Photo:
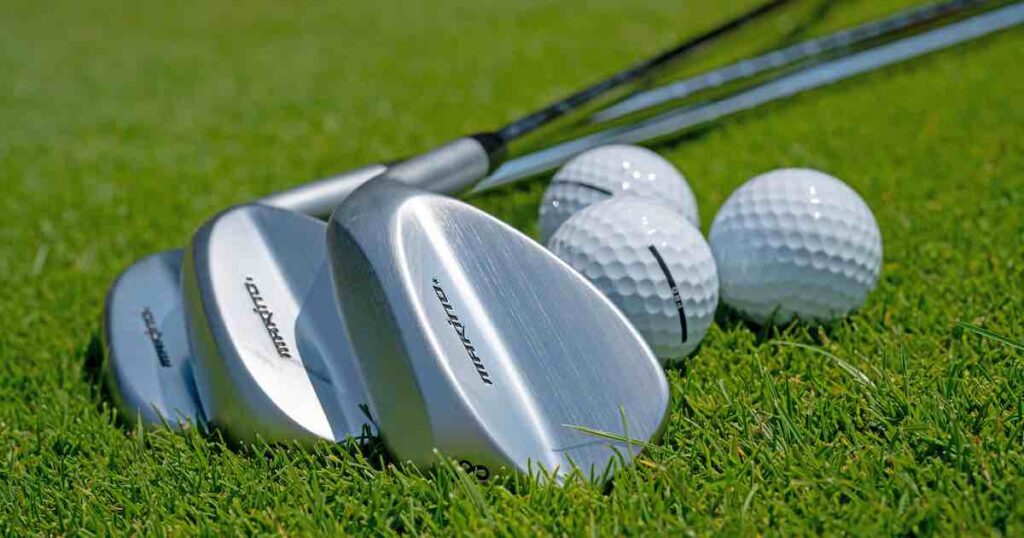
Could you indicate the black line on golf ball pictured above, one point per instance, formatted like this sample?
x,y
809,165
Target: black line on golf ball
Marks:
x,y
675,289
587,186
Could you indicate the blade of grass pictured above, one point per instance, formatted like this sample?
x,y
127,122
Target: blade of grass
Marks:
x,y
855,373
991,335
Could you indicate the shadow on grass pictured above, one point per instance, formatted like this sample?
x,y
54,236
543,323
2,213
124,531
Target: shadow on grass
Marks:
x,y
728,319
94,373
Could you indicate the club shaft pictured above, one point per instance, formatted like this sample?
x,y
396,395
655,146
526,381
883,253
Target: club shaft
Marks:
x,y
319,198
533,121
813,48
675,121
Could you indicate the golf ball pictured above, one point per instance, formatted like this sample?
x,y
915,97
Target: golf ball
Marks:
x,y
600,173
795,243
651,262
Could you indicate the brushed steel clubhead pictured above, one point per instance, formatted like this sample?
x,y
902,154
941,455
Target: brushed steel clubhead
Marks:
x,y
475,340
269,352
148,355
148,371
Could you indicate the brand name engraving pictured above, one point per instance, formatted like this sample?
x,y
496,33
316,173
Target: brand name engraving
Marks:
x,y
460,330
267,317
156,337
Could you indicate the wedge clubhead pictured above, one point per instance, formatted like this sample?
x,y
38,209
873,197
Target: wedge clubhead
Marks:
x,y
147,349
148,355
270,355
475,340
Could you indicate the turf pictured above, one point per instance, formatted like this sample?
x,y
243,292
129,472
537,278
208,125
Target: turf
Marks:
x,y
125,124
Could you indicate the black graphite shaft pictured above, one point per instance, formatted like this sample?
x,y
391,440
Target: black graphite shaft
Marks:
x,y
535,120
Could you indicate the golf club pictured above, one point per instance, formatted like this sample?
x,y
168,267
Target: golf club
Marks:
x,y
267,358
474,340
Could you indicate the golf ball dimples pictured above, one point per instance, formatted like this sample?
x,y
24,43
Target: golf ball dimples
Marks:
x,y
651,262
597,174
795,243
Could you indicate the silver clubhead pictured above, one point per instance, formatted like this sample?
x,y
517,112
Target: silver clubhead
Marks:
x,y
148,365
270,354
475,340
148,370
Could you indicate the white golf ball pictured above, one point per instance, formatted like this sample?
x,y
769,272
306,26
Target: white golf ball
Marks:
x,y
651,262
600,173
796,243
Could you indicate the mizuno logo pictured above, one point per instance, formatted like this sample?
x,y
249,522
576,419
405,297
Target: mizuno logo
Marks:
x,y
155,336
460,330
267,317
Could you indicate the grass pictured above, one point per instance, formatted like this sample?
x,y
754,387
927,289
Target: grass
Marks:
x,y
125,124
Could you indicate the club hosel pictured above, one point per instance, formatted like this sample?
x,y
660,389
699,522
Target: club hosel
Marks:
x,y
319,198
452,168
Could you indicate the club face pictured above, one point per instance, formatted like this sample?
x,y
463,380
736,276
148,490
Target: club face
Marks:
x,y
147,349
270,355
477,341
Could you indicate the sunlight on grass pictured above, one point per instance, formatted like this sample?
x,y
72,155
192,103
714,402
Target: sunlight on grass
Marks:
x,y
127,124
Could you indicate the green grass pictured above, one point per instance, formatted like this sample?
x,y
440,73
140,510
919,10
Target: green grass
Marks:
x,y
125,124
